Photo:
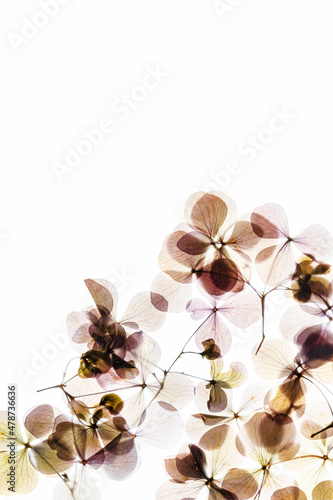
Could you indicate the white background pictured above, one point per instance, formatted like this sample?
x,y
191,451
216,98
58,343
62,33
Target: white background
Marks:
x,y
227,75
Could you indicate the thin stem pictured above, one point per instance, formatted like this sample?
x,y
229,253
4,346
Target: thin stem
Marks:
x,y
263,297
60,386
72,378
69,362
193,376
48,463
106,392
296,458
323,430
182,351
257,496
330,407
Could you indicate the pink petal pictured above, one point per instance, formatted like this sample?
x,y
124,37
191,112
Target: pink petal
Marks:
x,y
270,221
316,242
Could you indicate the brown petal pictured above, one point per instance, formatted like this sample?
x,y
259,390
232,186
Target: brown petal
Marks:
x,y
206,213
194,243
267,439
40,421
241,483
287,398
291,493
323,491
221,276
210,397
103,293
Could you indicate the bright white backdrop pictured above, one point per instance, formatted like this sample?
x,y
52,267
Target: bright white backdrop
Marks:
x,y
233,94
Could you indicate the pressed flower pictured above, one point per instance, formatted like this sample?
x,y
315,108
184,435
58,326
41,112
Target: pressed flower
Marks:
x,y
252,401
276,263
211,395
267,441
201,467
241,309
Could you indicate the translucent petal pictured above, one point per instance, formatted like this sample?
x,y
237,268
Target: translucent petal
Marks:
x,y
176,263
268,439
316,417
243,236
199,309
252,400
206,213
78,324
142,312
190,463
221,276
275,359
316,242
316,345
240,482
217,493
296,319
176,294
194,243
135,406
234,377
122,460
86,390
270,221
161,427
290,493
210,398
176,491
177,389
214,328
221,452
198,424
241,309
46,460
78,485
323,491
311,471
232,213
276,264
323,373
108,431
287,398
26,477
39,422
104,294
144,351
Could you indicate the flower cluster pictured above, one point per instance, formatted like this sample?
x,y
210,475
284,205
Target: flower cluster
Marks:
x,y
273,442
